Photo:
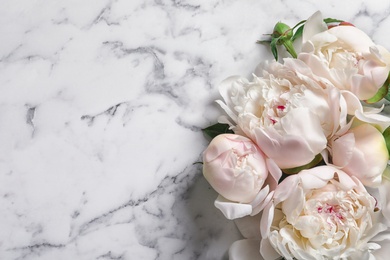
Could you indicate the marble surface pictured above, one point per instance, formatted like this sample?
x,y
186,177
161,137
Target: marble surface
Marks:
x,y
101,109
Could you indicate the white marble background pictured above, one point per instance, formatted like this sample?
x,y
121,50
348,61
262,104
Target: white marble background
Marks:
x,y
101,106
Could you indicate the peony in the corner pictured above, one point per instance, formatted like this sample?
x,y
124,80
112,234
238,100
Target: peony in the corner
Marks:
x,y
345,56
322,213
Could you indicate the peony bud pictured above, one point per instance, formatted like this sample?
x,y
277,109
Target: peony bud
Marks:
x,y
282,30
235,167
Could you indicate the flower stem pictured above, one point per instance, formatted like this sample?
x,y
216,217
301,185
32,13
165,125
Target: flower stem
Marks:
x,y
290,48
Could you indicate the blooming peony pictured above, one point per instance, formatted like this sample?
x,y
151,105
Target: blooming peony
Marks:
x,y
321,213
346,56
288,111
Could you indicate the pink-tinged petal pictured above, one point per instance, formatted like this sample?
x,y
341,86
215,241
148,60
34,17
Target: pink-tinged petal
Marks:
x,y
275,173
363,87
266,220
339,113
367,115
309,226
299,66
316,177
378,75
370,155
317,65
303,139
261,200
280,148
380,121
258,208
342,149
232,210
285,188
293,205
353,103
226,88
246,249
352,37
313,26
347,182
302,122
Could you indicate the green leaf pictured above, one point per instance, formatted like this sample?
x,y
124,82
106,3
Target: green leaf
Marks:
x,y
217,129
382,92
274,49
332,20
386,135
298,33
298,24
290,48
263,41
311,164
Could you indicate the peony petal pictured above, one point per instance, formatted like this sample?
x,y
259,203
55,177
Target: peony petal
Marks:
x,y
380,121
319,67
266,220
342,149
246,249
352,37
313,26
293,205
302,122
368,115
285,188
275,173
232,210
225,88
353,103
316,177
363,87
308,226
369,157
302,140
259,202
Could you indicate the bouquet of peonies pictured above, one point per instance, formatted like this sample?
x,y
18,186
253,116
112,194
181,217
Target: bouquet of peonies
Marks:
x,y
300,160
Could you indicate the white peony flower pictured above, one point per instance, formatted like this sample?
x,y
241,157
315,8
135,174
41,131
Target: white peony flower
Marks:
x,y
322,213
346,56
288,112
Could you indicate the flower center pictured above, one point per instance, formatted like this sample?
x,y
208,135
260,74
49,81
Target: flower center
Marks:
x,y
240,158
331,213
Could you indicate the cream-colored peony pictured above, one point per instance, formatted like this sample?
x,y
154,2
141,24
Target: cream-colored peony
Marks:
x,y
346,56
322,213
237,169
287,111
